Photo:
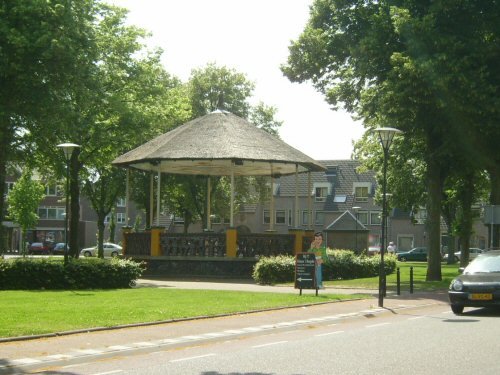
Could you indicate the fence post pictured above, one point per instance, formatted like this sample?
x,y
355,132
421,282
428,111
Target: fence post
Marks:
x,y
398,282
411,280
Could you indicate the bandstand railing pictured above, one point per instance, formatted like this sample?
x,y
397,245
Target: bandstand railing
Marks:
x,y
267,244
214,245
193,244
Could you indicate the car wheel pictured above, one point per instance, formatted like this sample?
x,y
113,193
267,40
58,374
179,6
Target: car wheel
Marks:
x,y
114,254
457,309
87,254
403,259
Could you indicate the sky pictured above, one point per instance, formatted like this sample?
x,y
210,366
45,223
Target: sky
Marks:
x,y
251,37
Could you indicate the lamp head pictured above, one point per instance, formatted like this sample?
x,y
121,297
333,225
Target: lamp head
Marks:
x,y
386,135
68,149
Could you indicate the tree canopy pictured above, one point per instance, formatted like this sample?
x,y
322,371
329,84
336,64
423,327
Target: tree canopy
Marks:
x,y
423,67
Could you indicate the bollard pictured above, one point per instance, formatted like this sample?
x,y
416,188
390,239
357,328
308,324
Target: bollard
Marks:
x,y
398,282
411,280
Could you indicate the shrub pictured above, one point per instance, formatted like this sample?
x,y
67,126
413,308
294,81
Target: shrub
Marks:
x,y
272,270
30,273
345,264
342,264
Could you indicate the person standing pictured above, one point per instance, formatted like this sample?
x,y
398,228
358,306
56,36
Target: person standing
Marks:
x,y
319,249
391,249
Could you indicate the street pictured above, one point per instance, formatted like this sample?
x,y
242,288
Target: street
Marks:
x,y
419,339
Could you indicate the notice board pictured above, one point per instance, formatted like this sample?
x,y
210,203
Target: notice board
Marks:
x,y
305,271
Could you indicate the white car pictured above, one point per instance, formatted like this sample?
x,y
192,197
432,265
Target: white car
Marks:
x,y
110,250
473,252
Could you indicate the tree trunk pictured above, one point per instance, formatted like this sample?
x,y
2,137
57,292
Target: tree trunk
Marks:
x,y
494,233
5,142
100,234
433,224
466,198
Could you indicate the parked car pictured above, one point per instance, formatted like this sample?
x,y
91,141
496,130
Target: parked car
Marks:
x,y
59,249
473,253
38,248
478,285
373,250
110,250
417,253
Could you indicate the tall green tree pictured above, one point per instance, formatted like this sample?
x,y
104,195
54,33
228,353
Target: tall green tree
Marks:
x,y
43,46
23,201
126,98
410,65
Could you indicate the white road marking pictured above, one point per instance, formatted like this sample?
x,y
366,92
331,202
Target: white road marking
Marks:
x,y
377,325
26,361
329,333
88,351
269,344
144,344
119,347
416,317
190,358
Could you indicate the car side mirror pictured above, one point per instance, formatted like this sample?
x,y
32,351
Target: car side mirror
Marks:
x,y
461,270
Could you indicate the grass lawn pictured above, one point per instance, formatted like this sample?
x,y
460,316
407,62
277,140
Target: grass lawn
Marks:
x,y
448,272
37,312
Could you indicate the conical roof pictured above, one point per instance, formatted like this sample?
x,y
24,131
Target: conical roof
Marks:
x,y
215,144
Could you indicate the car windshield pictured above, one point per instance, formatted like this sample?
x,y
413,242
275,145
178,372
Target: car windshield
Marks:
x,y
484,264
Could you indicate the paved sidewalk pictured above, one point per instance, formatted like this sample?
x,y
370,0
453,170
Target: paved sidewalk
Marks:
x,y
241,285
112,341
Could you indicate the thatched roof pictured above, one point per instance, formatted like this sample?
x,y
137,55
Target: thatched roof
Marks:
x,y
215,143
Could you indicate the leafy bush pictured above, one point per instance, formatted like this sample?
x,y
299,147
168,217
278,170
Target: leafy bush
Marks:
x,y
272,270
30,273
342,264
345,264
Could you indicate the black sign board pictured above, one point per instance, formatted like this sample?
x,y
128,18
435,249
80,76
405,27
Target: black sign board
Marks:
x,y
305,271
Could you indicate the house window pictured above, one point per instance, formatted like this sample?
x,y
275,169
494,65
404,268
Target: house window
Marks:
x,y
290,218
340,198
305,217
421,216
120,218
266,219
215,219
320,194
8,187
361,193
363,217
280,217
319,218
178,220
375,217
121,202
51,190
51,213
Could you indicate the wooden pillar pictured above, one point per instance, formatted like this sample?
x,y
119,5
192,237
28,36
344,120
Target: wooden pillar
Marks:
x,y
155,240
125,231
231,238
299,235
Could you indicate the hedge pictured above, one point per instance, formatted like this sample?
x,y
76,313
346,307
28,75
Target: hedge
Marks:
x,y
46,273
342,264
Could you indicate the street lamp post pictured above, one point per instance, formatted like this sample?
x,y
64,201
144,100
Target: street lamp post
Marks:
x,y
356,209
386,135
68,151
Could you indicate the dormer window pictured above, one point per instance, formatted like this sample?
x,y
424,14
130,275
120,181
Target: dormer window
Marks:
x,y
361,191
321,191
331,170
